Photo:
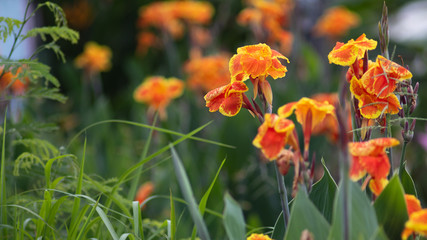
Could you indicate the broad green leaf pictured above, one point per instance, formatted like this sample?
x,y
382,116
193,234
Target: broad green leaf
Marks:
x,y
234,221
379,235
279,228
390,207
362,220
323,193
187,192
305,216
407,182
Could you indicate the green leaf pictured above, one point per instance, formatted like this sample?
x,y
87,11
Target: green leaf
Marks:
x,y
278,229
363,222
379,235
305,216
54,32
173,218
187,192
390,207
407,182
107,223
323,193
48,93
234,221
57,11
7,25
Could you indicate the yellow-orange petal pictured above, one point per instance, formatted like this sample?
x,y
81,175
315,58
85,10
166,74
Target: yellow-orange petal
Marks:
x,y
266,90
378,185
356,169
235,66
343,55
255,65
231,104
417,223
275,54
237,87
287,109
175,87
255,236
412,204
377,166
215,98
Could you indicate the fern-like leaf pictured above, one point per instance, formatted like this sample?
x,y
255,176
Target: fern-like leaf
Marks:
x,y
7,25
25,161
57,11
43,149
47,93
54,32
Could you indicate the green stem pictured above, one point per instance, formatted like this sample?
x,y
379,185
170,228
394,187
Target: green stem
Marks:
x,y
388,134
283,196
15,41
402,159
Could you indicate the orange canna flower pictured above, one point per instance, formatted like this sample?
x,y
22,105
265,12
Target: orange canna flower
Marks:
x,y
346,54
320,112
412,204
144,192
227,99
256,236
370,157
330,125
95,58
417,223
257,62
382,77
157,92
370,105
378,185
335,22
208,73
359,70
274,133
17,86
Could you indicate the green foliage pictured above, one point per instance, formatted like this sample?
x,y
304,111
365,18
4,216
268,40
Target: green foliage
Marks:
x,y
305,216
234,221
407,182
57,12
323,193
390,208
7,26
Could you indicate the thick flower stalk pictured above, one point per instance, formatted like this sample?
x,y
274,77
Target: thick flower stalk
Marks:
x,y
158,92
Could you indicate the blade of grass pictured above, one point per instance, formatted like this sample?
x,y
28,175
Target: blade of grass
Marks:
x,y
3,179
80,235
48,167
187,192
76,204
107,223
150,127
173,218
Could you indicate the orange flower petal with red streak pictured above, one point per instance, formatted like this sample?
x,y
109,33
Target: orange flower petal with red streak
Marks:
x,y
346,54
356,169
378,185
227,99
272,135
412,204
215,97
377,166
417,223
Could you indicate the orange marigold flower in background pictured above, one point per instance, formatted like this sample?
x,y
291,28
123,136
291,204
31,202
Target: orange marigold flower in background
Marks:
x,y
145,40
256,236
194,12
417,223
95,58
208,73
157,92
227,99
381,79
274,133
370,105
370,157
144,192
336,21
346,54
412,204
17,86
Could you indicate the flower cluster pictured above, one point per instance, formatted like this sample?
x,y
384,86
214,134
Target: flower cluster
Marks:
x,y
254,62
8,80
157,92
94,59
335,22
269,20
417,222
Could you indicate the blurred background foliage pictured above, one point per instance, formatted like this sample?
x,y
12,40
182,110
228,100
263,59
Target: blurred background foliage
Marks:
x,y
112,148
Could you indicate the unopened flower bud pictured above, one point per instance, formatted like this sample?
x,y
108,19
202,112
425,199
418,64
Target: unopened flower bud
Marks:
x,y
403,99
410,89
417,85
407,137
406,127
413,125
401,113
411,109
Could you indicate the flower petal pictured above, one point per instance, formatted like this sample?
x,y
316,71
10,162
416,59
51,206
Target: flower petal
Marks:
x,y
232,104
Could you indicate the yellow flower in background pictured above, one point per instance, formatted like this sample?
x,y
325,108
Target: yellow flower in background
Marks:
x,y
95,58
157,92
336,21
256,236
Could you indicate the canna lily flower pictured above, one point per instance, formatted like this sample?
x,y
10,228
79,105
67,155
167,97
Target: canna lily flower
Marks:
x,y
370,158
417,223
274,133
157,92
335,22
357,70
95,58
257,62
382,77
370,105
412,204
346,54
256,236
227,99
208,73
144,192
330,125
17,86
